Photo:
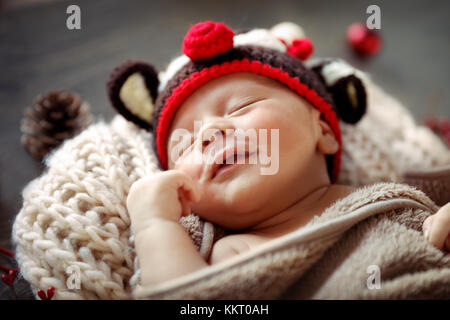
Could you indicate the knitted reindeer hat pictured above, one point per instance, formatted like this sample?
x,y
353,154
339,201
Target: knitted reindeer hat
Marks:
x,y
212,49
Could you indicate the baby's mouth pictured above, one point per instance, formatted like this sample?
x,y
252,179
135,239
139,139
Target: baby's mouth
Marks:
x,y
222,163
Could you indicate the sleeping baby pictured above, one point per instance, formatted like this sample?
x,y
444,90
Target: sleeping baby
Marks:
x,y
247,135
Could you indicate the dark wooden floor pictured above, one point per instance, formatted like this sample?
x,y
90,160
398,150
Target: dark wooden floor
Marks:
x,y
38,54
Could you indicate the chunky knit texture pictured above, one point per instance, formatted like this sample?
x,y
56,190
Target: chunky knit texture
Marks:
x,y
207,40
75,213
301,48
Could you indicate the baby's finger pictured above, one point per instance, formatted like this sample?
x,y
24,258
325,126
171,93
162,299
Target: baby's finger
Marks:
x,y
439,230
426,227
447,244
192,196
191,186
185,208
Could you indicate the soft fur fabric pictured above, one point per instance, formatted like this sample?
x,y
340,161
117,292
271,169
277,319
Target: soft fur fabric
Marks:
x,y
378,225
75,213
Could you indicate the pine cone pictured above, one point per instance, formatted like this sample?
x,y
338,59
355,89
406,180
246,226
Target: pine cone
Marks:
x,y
53,118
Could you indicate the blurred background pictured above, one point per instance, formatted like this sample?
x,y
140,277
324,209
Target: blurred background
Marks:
x,y
39,54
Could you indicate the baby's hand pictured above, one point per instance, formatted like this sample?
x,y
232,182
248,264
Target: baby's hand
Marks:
x,y
165,195
436,228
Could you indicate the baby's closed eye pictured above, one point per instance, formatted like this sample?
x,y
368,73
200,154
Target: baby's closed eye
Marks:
x,y
243,105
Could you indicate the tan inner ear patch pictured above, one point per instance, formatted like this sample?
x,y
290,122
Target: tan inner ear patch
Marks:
x,y
136,97
352,95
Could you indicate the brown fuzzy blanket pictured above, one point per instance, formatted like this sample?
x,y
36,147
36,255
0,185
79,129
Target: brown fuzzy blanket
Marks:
x,y
368,245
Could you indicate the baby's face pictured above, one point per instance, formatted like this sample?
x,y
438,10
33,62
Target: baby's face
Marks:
x,y
241,195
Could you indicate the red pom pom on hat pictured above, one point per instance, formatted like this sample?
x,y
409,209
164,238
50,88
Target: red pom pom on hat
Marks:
x,y
206,40
363,41
301,48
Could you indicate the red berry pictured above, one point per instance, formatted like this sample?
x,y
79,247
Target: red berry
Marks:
x,y
301,48
48,296
364,41
431,123
445,126
5,279
50,293
42,295
447,138
9,278
205,40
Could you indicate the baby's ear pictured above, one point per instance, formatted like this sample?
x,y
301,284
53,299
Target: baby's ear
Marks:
x,y
346,85
132,90
326,141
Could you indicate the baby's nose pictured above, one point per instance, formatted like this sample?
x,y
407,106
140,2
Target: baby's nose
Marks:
x,y
207,140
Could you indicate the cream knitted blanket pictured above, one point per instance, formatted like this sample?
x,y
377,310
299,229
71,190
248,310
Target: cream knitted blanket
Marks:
x,y
74,225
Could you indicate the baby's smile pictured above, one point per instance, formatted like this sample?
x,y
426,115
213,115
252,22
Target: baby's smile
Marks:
x,y
229,147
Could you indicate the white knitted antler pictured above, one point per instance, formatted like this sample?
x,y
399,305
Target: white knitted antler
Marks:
x,y
271,38
288,31
259,37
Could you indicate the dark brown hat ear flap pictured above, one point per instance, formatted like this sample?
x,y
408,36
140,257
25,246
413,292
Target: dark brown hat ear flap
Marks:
x,y
349,95
132,89
346,86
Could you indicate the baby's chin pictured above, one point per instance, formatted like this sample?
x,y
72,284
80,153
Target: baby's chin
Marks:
x,y
233,199
230,219
235,186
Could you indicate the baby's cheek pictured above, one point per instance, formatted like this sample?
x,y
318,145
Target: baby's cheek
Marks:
x,y
268,118
274,122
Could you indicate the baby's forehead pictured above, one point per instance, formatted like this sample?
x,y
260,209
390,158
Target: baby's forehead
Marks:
x,y
222,90
235,84
229,87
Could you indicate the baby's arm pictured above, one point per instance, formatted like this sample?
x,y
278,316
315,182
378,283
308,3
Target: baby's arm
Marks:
x,y
155,205
228,247
437,228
